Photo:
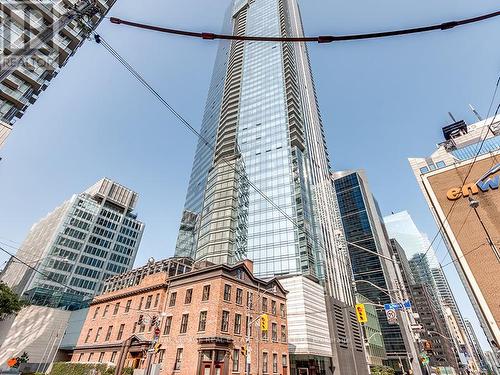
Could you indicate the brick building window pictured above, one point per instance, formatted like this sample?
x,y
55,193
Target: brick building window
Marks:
x,y
264,304
101,357
90,357
106,308
189,296
140,303
227,293
120,332
117,307
88,335
203,321
135,327
113,357
236,360
127,306
250,300
275,363
225,321
283,333
108,333
161,355
157,299
274,332
206,293
96,312
273,307
168,325
149,299
284,361
173,297
184,323
142,328
265,362
98,334
237,323
282,310
239,296
80,357
178,359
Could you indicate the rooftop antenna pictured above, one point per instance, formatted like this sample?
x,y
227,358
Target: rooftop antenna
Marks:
x,y
475,112
453,118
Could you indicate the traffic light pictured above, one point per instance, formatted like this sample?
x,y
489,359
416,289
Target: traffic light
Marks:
x,y
361,313
243,351
157,347
154,320
141,320
264,322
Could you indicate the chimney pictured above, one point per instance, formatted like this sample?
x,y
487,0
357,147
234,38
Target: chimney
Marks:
x,y
249,264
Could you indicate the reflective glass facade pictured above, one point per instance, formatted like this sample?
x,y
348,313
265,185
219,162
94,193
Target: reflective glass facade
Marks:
x,y
89,238
279,138
359,217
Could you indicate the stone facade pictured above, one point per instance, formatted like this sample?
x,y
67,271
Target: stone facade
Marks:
x,y
203,318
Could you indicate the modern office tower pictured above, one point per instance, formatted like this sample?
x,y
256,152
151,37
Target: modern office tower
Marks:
x,y
460,183
374,275
476,346
21,22
89,238
434,330
266,168
402,227
493,362
404,265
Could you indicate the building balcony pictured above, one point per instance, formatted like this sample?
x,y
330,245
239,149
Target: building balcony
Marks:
x,y
13,96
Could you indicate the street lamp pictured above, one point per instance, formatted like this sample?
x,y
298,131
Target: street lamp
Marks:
x,y
385,291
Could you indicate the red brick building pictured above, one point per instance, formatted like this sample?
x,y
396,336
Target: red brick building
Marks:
x,y
201,316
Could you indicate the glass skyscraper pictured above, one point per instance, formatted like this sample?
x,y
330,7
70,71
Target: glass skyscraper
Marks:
x,y
91,237
261,183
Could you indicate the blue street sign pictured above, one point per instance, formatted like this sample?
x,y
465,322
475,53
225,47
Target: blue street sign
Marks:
x,y
398,305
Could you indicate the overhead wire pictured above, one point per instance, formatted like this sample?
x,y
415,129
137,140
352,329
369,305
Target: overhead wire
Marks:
x,y
259,191
319,39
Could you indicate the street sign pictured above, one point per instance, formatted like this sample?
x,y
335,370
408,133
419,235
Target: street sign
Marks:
x,y
157,331
391,316
361,313
398,305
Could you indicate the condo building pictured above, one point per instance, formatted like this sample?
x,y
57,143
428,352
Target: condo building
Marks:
x,y
261,186
21,22
92,236
460,183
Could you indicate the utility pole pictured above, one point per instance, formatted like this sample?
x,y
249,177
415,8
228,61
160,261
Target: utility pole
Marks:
x,y
81,9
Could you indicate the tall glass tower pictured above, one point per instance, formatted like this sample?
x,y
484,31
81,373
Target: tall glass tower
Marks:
x,y
261,182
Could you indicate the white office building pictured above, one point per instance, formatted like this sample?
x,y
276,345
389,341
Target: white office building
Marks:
x,y
89,238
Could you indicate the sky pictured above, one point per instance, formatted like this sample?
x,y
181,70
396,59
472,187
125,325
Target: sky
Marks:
x,y
382,101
